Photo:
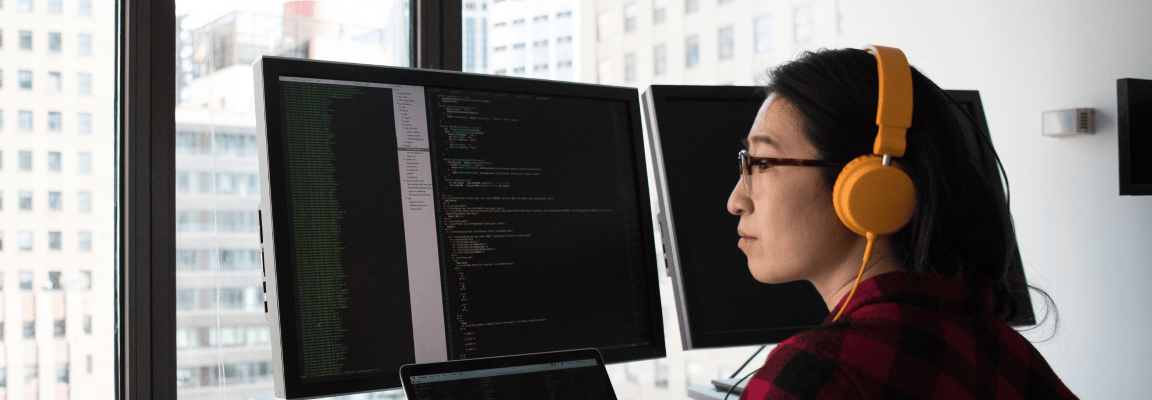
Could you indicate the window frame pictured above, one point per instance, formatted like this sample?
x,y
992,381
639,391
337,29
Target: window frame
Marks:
x,y
145,127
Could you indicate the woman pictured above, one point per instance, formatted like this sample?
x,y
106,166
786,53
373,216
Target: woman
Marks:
x,y
926,320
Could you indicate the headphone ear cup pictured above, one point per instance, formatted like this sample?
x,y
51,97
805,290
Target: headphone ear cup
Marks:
x,y
871,197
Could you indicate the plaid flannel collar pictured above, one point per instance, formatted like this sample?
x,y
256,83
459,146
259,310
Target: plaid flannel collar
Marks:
x,y
929,291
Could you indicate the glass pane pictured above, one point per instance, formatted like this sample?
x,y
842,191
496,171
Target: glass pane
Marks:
x,y
640,43
222,339
57,326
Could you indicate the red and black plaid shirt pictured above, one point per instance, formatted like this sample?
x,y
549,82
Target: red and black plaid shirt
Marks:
x,y
909,337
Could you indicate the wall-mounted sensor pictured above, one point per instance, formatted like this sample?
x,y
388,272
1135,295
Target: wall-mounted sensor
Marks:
x,y
1070,122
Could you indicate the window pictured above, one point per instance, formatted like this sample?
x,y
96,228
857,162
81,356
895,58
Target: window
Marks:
x,y
84,44
1,283
724,43
25,200
723,1
763,34
604,72
500,48
659,11
25,118
518,46
84,162
660,60
84,83
1,72
630,17
25,5
54,42
603,23
25,280
802,20
26,80
54,123
25,239
55,6
564,14
55,84
519,21
84,241
54,240
54,280
29,330
630,68
691,6
499,24
540,18
54,201
25,160
25,40
88,331
31,372
62,368
84,202
84,123
85,7
1,200
692,51
54,161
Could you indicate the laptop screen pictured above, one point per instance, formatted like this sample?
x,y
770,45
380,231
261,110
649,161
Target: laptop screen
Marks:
x,y
566,375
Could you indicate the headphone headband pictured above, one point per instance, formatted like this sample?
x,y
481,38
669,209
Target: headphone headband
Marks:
x,y
894,109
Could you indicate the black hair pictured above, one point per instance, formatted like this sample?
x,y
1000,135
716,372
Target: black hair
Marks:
x,y
962,227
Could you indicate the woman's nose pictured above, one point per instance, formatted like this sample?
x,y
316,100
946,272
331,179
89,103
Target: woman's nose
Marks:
x,y
738,202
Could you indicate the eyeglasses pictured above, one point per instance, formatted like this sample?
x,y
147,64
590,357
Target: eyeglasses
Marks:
x,y
747,161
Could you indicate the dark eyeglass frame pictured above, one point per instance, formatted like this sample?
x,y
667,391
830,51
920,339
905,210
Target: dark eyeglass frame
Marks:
x,y
747,162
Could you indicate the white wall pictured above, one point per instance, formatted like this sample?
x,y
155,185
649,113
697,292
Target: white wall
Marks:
x,y
1089,247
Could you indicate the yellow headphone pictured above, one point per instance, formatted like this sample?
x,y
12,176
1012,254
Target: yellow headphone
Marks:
x,y
871,196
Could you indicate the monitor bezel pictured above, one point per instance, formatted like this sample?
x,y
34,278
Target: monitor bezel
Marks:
x,y
281,306
410,370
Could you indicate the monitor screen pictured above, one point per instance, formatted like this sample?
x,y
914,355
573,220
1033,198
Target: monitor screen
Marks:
x,y
415,216
695,132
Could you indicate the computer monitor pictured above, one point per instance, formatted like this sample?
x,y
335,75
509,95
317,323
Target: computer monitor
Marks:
x,y
694,134
414,216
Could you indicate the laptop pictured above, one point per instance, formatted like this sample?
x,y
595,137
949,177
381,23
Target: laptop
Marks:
x,y
572,374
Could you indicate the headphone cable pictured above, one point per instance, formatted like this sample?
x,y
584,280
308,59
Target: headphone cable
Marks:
x,y
867,253
729,393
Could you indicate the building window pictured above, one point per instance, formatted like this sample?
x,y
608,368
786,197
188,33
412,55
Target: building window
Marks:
x,y
84,123
54,281
55,6
603,23
565,14
540,18
25,120
25,239
26,80
54,161
54,240
604,72
84,241
88,331
723,1
692,51
659,11
84,162
54,202
84,44
25,5
54,123
84,202
565,39
62,369
518,21
85,7
54,82
630,17
25,280
30,330
499,24
84,83
54,42
25,200
1,284
763,28
31,372
802,20
498,49
724,47
518,70
518,46
660,60
58,331
630,68
691,6
25,160
25,40
1,114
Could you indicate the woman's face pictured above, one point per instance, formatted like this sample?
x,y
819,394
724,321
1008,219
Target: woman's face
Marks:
x,y
788,227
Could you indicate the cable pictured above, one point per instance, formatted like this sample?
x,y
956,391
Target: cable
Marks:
x,y
734,373
867,253
729,393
